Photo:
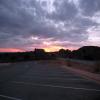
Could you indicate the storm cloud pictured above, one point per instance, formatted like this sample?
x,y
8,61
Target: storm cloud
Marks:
x,y
29,24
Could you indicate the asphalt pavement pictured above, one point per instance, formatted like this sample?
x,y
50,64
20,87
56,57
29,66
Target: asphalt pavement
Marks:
x,y
44,81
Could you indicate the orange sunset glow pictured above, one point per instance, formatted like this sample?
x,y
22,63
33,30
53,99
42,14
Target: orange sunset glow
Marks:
x,y
10,50
57,48
50,48
53,48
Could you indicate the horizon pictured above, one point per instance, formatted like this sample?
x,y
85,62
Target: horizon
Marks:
x,y
20,50
13,50
48,24
8,50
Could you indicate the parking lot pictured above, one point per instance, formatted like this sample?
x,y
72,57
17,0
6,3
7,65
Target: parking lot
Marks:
x,y
44,81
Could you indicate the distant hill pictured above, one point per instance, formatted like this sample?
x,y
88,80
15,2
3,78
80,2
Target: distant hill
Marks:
x,y
87,53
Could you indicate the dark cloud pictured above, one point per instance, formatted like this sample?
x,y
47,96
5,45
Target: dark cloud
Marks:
x,y
64,10
89,7
64,21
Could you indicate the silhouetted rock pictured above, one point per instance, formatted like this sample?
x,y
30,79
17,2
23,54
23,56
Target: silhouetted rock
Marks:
x,y
39,54
87,53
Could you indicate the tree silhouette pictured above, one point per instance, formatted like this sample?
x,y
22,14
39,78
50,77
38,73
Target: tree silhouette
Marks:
x,y
64,53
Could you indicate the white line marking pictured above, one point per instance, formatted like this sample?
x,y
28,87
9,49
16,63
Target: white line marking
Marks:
x,y
55,78
8,97
55,86
69,79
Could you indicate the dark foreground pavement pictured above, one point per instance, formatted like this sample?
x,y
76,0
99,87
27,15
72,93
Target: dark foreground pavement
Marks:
x,y
44,81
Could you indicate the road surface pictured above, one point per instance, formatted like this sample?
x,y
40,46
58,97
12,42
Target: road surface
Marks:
x,y
44,81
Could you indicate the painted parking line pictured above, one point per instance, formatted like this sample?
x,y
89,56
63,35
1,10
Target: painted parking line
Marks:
x,y
57,78
8,97
69,79
51,75
54,86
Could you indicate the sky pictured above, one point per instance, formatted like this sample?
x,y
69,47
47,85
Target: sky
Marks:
x,y
48,24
